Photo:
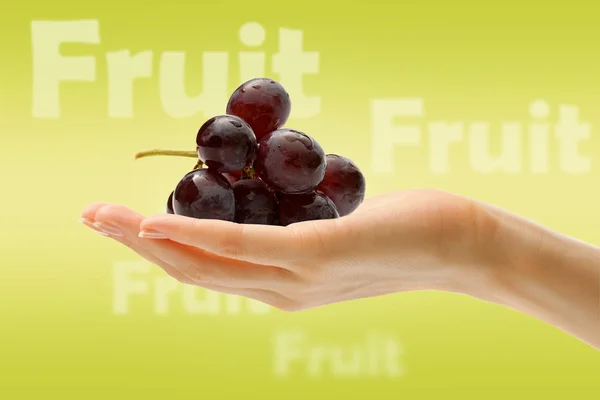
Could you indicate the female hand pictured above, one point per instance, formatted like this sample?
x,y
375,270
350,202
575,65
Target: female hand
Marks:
x,y
408,240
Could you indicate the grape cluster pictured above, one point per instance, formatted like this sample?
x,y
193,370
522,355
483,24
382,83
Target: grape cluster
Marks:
x,y
251,169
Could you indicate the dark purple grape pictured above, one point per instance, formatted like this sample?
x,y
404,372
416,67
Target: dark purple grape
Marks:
x,y
204,194
305,207
255,202
263,103
169,209
290,161
343,183
226,143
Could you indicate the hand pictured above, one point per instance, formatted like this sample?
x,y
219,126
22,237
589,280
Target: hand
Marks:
x,y
402,241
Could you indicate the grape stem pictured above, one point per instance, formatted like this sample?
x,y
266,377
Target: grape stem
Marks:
x,y
158,152
248,173
199,164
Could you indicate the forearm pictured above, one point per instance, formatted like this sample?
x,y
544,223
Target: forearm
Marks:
x,y
542,273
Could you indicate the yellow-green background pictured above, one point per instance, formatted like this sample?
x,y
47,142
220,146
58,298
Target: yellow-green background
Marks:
x,y
469,60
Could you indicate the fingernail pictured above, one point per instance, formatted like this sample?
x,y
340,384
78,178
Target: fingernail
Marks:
x,y
86,222
90,224
108,228
150,234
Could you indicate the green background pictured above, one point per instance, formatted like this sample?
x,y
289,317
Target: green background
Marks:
x,y
469,61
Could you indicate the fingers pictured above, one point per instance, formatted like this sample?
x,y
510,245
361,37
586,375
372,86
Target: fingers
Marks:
x,y
89,212
260,244
210,269
265,296
123,225
198,266
88,215
169,269
126,222
118,221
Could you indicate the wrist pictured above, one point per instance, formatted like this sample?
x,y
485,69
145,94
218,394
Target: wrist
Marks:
x,y
527,267
487,248
503,251
467,241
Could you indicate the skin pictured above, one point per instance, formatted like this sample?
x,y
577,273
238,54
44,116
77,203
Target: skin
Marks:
x,y
402,241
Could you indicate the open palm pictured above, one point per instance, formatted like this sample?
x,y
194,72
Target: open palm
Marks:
x,y
394,242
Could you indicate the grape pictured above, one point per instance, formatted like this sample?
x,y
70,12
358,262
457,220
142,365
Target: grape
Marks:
x,y
255,202
232,177
226,143
290,161
263,103
305,207
169,209
204,194
260,172
343,183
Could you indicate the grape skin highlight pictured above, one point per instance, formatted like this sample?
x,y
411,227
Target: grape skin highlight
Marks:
x,y
263,103
343,183
290,161
204,194
226,143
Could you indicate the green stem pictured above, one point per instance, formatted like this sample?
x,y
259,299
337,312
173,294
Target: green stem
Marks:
x,y
248,173
158,152
199,164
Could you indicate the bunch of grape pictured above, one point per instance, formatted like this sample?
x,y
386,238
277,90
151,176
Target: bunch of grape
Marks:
x,y
252,170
